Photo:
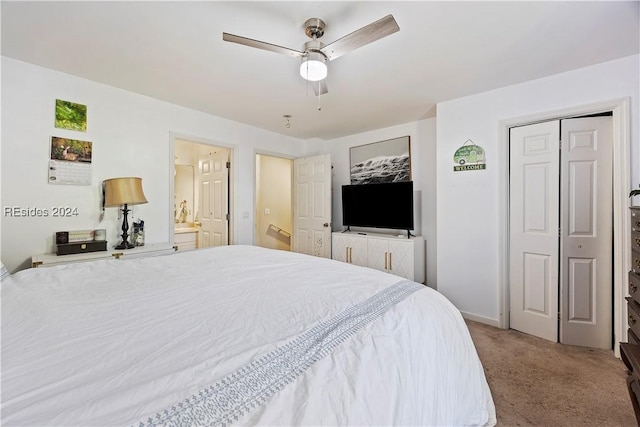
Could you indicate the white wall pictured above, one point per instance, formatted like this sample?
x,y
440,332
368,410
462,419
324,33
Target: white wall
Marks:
x,y
468,203
131,137
423,154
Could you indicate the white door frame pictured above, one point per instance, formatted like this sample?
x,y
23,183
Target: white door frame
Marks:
x,y
233,178
621,186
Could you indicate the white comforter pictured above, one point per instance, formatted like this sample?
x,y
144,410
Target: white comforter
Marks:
x,y
115,342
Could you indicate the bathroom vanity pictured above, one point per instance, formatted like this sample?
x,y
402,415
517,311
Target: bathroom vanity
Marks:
x,y
186,236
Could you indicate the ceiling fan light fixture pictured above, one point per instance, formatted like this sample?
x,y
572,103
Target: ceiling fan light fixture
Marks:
x,y
315,53
314,67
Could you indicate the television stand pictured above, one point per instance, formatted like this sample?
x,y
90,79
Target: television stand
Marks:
x,y
391,253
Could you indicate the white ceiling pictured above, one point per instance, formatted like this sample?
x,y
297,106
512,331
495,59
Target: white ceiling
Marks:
x,y
174,51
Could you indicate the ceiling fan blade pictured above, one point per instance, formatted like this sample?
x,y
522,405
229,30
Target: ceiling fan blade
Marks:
x,y
320,87
365,35
261,45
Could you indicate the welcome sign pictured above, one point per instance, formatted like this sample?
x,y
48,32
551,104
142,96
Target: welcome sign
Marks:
x,y
469,157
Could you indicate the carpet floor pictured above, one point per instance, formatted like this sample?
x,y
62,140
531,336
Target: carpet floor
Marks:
x,y
535,382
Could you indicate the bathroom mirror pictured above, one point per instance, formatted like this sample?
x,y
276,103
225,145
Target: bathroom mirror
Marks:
x,y
184,194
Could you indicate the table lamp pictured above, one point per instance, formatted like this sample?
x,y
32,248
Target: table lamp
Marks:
x,y
123,191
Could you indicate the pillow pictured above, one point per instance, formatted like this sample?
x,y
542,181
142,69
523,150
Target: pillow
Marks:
x,y
4,273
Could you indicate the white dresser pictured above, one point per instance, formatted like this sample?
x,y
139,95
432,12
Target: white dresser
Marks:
x,y
390,253
154,249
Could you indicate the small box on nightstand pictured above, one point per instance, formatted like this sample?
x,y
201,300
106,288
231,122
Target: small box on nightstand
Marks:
x,y
82,247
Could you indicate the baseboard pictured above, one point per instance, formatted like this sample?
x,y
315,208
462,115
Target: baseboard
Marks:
x,y
481,319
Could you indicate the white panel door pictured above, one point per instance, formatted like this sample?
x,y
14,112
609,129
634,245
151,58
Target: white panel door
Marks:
x,y
533,229
214,199
205,205
312,206
587,232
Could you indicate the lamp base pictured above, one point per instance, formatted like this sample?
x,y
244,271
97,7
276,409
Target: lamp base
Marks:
x,y
125,231
124,245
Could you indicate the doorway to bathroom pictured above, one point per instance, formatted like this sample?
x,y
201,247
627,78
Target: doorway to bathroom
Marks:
x,y
202,206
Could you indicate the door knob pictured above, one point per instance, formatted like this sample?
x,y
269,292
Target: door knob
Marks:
x,y
326,224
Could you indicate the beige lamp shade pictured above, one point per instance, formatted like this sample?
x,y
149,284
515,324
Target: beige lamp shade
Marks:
x,y
123,191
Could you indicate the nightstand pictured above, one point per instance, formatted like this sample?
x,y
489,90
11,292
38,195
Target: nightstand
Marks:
x,y
154,249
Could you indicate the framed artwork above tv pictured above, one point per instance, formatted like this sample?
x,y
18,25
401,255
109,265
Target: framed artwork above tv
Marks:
x,y
381,162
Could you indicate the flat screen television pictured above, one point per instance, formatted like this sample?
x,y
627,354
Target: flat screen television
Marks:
x,y
386,205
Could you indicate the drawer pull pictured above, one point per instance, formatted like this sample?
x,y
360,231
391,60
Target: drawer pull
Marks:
x,y
632,288
637,223
632,320
637,241
637,261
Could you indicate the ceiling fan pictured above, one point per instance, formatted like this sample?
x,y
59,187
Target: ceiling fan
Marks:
x,y
314,53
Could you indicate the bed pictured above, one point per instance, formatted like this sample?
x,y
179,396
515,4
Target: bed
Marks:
x,y
234,335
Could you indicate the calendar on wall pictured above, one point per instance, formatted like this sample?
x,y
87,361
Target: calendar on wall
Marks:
x,y
70,161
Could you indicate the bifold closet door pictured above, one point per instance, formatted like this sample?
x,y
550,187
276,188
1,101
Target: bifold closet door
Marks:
x,y
586,281
561,230
533,228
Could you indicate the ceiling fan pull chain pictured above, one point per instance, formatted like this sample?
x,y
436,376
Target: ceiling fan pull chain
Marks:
x,y
319,106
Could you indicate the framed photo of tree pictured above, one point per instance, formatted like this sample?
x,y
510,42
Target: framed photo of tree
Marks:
x,y
379,162
70,115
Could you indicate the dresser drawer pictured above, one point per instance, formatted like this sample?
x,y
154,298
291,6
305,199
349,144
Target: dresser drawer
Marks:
x,y
634,286
635,240
635,262
635,218
632,338
633,318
